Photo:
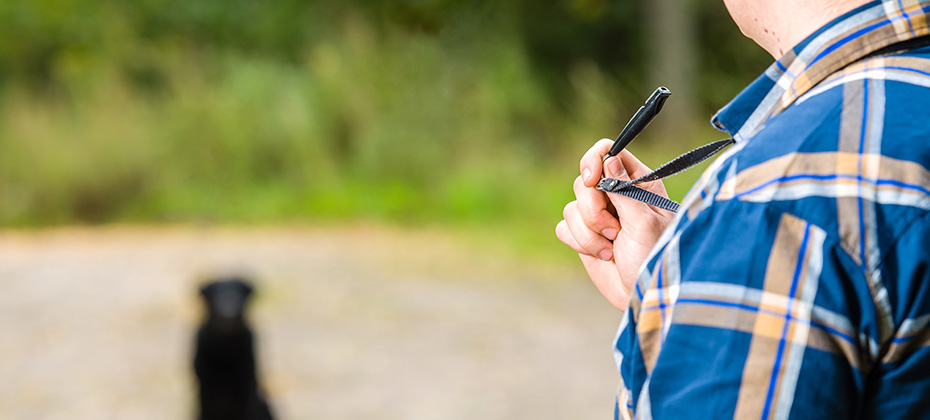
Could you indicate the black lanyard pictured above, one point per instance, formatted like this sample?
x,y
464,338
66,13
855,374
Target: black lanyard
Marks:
x,y
681,163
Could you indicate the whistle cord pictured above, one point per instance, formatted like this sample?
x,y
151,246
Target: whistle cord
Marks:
x,y
681,163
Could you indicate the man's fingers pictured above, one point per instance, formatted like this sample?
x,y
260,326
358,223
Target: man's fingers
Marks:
x,y
627,208
636,169
634,215
593,207
565,235
604,274
588,241
563,232
608,281
591,162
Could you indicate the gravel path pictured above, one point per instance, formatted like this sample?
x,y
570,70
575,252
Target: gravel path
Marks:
x,y
352,323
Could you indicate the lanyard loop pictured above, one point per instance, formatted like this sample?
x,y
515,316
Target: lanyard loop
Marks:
x,y
679,164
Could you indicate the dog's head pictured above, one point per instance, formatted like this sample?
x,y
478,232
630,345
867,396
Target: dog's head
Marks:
x,y
226,299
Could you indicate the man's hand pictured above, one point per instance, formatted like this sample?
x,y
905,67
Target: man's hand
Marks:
x,y
611,233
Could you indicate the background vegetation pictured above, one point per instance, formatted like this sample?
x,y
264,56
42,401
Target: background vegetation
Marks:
x,y
420,112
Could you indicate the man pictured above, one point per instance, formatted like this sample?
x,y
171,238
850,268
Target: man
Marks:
x,y
795,279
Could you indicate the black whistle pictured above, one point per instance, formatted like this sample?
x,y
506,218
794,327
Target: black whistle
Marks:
x,y
640,120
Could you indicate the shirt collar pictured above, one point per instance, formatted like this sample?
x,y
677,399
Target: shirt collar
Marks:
x,y
845,40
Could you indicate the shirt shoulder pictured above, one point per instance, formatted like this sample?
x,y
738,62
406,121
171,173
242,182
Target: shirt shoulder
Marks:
x,y
851,156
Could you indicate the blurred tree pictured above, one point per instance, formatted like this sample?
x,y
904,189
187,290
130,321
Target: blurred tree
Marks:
x,y
568,32
639,43
728,60
672,54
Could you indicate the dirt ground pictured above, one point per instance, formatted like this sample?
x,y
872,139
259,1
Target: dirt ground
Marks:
x,y
352,323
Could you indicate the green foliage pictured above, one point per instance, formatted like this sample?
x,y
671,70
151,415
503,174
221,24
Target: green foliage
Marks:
x,y
431,111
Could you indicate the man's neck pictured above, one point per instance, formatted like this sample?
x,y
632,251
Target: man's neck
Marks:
x,y
779,25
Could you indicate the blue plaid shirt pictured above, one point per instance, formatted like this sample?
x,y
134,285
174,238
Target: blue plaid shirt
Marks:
x,y
795,280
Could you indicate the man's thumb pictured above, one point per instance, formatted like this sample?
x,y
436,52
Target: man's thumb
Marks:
x,y
613,168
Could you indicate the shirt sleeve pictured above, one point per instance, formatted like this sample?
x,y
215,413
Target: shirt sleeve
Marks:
x,y
900,378
758,314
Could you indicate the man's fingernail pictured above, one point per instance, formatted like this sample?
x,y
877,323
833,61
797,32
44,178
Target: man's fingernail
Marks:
x,y
586,175
606,255
615,168
610,233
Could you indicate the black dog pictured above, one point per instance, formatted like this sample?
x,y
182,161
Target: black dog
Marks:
x,y
225,356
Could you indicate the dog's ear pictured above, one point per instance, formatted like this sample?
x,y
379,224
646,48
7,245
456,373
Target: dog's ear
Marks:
x,y
242,284
207,289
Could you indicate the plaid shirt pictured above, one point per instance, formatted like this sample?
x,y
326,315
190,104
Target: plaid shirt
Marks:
x,y
795,280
